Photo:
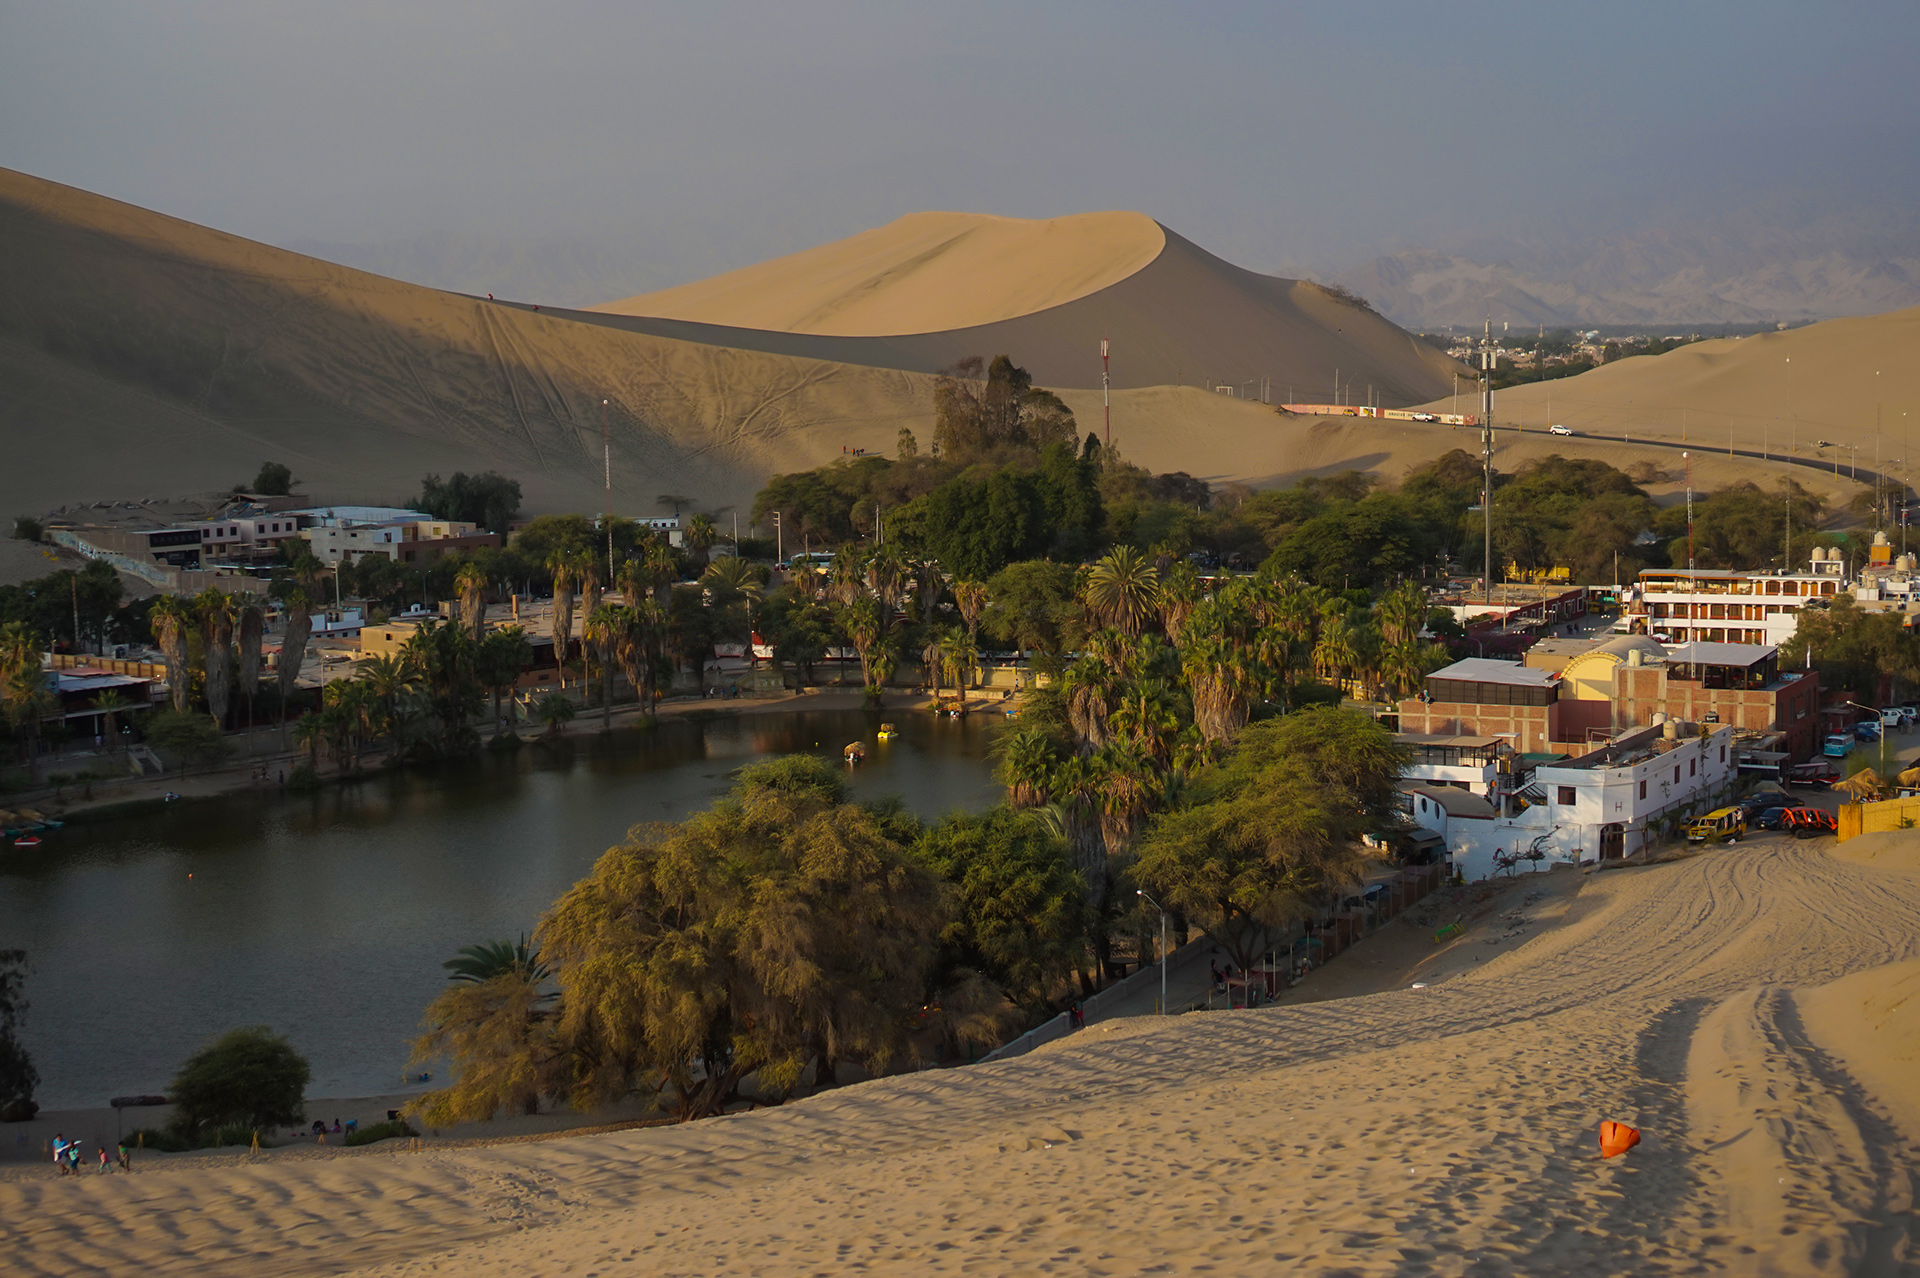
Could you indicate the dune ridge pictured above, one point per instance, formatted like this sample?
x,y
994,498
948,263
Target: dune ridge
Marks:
x,y
1444,1130
917,274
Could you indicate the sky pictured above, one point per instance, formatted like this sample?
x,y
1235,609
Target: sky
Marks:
x,y
1287,138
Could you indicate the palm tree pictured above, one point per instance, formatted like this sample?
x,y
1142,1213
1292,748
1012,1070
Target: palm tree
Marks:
x,y
1090,686
1403,613
962,656
217,614
471,582
733,575
480,963
1180,592
23,688
554,710
862,621
389,678
503,655
971,598
657,569
887,577
309,732
847,575
169,616
1123,590
931,657
110,704
1148,718
588,570
563,564
602,633
1334,653
252,628
701,534
1027,764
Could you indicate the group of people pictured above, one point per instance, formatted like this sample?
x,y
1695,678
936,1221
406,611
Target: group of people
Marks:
x,y
66,1157
321,1130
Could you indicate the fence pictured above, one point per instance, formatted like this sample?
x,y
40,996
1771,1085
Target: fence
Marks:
x,y
1873,818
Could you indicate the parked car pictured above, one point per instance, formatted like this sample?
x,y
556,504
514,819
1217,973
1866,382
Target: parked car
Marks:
x,y
1558,430
1867,730
1776,818
1837,746
1813,776
1896,719
1810,823
1723,825
1426,417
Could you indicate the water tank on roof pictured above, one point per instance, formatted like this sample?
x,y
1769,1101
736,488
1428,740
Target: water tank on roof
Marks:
x,y
1880,539
1636,657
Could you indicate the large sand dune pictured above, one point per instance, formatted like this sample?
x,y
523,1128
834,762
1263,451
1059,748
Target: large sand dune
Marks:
x,y
918,274
1735,1007
1181,318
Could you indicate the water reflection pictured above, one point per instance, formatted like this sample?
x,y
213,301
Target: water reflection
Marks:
x,y
327,916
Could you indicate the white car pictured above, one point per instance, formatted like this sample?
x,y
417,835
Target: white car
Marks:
x,y
1559,430
1426,417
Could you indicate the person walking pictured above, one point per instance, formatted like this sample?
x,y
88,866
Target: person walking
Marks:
x,y
106,1163
126,1157
60,1152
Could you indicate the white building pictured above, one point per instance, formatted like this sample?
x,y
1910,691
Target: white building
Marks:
x,y
1598,806
1718,605
1466,763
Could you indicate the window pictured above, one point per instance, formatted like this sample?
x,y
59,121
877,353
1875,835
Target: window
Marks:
x,y
1566,795
1723,749
1689,767
1643,789
1676,774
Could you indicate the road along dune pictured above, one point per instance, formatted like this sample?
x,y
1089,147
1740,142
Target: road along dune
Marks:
x,y
1444,1130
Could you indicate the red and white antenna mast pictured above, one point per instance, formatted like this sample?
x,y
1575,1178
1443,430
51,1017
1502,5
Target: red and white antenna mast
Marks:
x,y
1105,404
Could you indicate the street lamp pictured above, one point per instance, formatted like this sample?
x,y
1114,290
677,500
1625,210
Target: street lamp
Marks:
x,y
1880,719
1163,949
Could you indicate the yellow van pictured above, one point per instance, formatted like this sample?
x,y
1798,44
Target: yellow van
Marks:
x,y
1725,825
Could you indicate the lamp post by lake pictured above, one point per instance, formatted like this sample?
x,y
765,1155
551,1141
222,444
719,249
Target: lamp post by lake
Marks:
x,y
1163,948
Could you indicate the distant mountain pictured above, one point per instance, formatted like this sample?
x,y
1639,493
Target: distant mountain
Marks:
x,y
1658,278
552,272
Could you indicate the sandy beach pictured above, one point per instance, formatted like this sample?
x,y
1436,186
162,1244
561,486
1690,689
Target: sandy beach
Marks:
x,y
1744,1008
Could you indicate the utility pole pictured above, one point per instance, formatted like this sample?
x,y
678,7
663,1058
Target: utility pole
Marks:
x,y
1486,450
779,540
1106,405
606,456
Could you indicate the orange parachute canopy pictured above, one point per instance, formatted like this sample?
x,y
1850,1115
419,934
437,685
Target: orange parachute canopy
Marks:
x,y
1617,1138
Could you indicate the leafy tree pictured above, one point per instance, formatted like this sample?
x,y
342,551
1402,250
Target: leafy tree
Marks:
x,y
1018,918
193,738
274,480
975,527
18,1077
490,499
1865,654
784,929
249,1077
1274,826
1031,605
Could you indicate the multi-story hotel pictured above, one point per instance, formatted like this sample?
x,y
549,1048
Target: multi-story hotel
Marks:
x,y
1717,605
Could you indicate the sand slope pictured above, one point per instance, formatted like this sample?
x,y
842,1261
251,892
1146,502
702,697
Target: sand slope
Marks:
x,y
1448,1130
1186,318
918,274
1780,391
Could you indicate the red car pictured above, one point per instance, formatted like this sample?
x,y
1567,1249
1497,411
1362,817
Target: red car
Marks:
x,y
1809,823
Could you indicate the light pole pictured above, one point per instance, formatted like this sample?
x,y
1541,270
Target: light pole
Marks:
x,y
1881,719
1163,949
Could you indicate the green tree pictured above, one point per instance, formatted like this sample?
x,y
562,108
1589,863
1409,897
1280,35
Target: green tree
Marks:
x,y
249,1077
1123,590
18,1077
1030,605
782,930
1274,827
481,963
1018,917
490,500
554,710
192,738
274,480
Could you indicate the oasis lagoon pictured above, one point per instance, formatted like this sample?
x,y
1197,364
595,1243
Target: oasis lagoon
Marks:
x,y
326,916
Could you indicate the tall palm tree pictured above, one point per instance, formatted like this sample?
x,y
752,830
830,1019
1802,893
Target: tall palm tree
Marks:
x,y
970,597
887,577
657,569
388,679
1147,717
962,656
847,575
589,570
865,629
701,534
218,612
1027,764
1403,613
1090,686
931,658
308,732
1123,590
251,629
170,616
562,564
1334,653
111,705
471,582
603,628
1180,592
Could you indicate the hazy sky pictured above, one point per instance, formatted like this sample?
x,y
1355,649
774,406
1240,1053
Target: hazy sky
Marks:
x,y
710,135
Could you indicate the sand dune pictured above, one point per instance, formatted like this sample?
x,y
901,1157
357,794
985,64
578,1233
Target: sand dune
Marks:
x,y
1446,1130
918,274
1782,392
1186,318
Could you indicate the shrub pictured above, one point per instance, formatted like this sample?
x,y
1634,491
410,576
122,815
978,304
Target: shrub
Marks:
x,y
303,778
228,1135
247,1077
381,1131
156,1138
194,737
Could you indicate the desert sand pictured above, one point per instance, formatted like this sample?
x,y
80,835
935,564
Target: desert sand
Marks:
x,y
918,274
1781,392
1743,1008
